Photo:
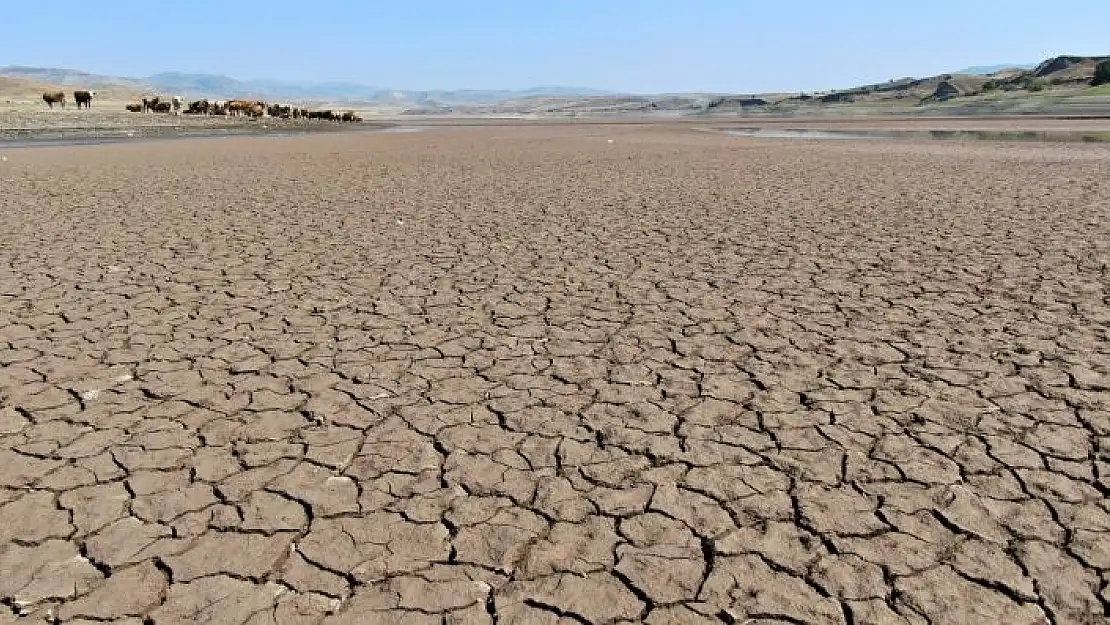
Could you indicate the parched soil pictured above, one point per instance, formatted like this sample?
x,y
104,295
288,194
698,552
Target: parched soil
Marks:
x,y
526,375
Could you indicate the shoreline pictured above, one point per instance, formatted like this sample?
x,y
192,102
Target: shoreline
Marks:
x,y
1051,128
28,137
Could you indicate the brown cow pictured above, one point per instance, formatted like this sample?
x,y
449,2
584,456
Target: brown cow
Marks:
x,y
83,97
252,108
236,108
51,98
134,108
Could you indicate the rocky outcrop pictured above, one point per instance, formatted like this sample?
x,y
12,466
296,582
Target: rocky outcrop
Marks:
x,y
946,90
1056,64
838,97
735,102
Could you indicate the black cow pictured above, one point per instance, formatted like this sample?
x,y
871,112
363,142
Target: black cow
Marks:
x,y
198,107
284,111
83,97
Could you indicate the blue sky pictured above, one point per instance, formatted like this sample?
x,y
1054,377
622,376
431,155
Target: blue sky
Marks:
x,y
639,45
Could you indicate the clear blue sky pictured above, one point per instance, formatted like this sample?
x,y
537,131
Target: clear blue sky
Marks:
x,y
639,45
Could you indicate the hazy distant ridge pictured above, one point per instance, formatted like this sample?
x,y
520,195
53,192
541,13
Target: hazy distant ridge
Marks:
x,y
1067,72
986,70
224,86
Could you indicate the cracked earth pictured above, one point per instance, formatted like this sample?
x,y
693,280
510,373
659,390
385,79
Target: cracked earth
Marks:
x,y
530,376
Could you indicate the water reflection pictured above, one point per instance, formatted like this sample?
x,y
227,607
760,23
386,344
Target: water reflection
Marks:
x,y
405,129
26,138
965,135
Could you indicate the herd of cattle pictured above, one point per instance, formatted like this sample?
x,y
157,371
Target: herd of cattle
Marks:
x,y
231,108
82,98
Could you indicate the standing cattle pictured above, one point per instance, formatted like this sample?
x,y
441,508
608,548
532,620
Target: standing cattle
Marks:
x,y
176,100
134,108
198,107
150,103
83,97
51,98
252,108
161,107
284,111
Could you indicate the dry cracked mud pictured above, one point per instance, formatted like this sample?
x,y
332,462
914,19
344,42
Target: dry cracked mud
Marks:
x,y
531,376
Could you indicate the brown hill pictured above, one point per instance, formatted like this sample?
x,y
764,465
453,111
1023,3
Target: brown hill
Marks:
x,y
1066,71
958,85
1062,69
14,89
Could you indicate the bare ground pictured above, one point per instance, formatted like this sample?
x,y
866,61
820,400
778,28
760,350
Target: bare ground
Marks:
x,y
530,376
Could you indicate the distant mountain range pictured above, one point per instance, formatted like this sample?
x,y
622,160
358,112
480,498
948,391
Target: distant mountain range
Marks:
x,y
216,85
1056,73
986,70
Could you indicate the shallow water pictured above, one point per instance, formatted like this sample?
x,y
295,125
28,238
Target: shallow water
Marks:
x,y
965,135
99,136
405,129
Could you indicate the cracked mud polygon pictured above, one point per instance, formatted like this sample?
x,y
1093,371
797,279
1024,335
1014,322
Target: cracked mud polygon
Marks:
x,y
526,375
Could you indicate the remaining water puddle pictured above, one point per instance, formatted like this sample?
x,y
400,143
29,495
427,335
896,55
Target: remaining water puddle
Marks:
x,y
406,129
27,138
958,135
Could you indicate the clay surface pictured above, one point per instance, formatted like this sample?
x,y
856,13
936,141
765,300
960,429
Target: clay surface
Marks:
x,y
555,375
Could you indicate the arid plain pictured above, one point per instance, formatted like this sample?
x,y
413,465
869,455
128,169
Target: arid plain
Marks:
x,y
555,374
